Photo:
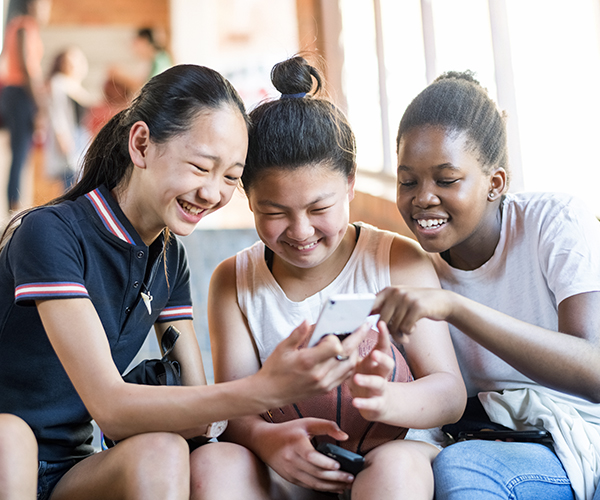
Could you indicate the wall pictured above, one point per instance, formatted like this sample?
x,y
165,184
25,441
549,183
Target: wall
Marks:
x,y
97,12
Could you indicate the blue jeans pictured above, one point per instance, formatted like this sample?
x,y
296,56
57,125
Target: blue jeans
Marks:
x,y
49,474
18,112
481,470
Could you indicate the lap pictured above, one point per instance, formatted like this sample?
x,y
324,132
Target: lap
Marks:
x,y
495,469
140,463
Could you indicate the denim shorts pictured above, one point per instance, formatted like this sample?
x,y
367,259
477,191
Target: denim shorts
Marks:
x,y
49,474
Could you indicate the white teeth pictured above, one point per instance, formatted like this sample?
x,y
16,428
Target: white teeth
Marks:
x,y
190,208
305,247
427,223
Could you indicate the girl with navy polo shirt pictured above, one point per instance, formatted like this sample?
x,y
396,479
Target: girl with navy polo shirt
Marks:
x,y
85,277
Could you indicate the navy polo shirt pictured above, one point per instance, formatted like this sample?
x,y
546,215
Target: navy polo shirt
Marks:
x,y
83,248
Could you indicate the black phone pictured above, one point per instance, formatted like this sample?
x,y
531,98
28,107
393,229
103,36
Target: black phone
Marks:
x,y
533,436
350,462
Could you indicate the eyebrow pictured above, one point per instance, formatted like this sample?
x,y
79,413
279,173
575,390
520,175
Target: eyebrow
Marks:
x,y
270,203
442,166
215,159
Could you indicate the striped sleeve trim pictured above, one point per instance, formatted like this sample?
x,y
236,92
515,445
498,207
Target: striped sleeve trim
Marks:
x,y
176,312
107,216
45,290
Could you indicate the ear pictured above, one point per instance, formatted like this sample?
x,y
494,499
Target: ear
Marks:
x,y
497,184
139,140
351,182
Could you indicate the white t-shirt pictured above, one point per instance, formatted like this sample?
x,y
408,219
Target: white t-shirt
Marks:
x,y
549,250
272,316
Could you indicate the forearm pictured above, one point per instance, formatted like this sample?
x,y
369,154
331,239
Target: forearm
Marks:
x,y
557,360
248,431
137,409
431,401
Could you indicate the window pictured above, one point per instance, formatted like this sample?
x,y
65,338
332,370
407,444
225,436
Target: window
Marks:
x,y
540,60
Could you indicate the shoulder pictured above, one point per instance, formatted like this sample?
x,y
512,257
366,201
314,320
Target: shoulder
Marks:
x,y
547,211
67,227
46,222
410,265
407,252
223,279
225,269
542,203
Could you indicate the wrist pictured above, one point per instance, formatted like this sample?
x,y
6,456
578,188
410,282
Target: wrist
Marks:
x,y
264,391
454,307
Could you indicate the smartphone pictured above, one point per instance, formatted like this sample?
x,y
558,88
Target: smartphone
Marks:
x,y
342,314
349,462
533,436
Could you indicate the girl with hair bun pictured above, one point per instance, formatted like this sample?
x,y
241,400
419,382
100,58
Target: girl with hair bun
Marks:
x,y
299,179
84,278
520,274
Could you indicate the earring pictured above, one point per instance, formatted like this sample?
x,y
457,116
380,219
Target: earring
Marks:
x,y
491,196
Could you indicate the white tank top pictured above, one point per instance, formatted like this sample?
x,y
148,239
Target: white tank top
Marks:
x,y
272,316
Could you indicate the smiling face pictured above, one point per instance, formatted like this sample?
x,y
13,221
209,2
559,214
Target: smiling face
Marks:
x,y
302,214
446,198
193,174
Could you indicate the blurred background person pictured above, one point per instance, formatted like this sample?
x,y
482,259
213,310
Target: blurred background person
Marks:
x,y
68,101
22,98
115,97
150,47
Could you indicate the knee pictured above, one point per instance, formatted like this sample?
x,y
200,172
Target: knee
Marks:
x,y
406,455
215,464
154,462
452,459
16,435
223,456
168,448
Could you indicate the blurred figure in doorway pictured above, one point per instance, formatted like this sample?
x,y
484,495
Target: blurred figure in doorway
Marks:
x,y
22,98
148,45
68,101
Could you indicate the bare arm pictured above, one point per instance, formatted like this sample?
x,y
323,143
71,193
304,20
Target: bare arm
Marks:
x,y
437,395
285,447
567,360
122,410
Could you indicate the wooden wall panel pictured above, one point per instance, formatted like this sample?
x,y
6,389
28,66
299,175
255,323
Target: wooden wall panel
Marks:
x,y
128,12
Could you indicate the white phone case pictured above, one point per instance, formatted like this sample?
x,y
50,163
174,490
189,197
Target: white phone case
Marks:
x,y
342,314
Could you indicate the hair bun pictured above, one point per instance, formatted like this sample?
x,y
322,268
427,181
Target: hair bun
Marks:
x,y
467,75
295,76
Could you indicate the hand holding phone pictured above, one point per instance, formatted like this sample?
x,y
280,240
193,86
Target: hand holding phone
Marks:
x,y
349,462
342,314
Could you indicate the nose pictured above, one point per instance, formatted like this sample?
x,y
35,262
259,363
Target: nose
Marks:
x,y
210,191
425,197
300,228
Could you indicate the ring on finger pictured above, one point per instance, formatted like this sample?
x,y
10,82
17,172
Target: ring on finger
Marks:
x,y
339,357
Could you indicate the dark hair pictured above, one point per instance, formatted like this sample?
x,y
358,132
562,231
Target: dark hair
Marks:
x,y
148,35
298,129
18,8
167,104
58,63
457,102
